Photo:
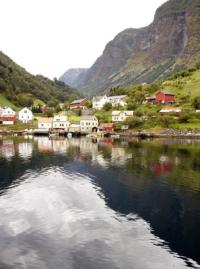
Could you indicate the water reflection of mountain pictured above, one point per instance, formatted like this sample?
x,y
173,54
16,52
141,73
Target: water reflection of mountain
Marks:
x,y
160,183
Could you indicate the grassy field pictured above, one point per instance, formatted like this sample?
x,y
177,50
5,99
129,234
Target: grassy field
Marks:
x,y
19,126
5,102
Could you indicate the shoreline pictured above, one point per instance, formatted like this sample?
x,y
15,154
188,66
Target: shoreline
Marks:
x,y
166,133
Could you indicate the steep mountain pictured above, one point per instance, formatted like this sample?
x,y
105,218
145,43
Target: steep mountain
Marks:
x,y
19,86
170,43
70,77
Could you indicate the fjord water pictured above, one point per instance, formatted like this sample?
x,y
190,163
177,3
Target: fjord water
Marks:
x,y
77,203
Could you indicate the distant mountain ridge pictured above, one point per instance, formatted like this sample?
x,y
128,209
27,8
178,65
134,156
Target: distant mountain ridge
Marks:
x,y
170,43
71,76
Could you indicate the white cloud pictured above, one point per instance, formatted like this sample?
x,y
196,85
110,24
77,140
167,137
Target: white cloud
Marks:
x,y
50,36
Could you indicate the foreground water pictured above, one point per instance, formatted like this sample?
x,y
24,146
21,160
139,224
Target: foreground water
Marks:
x,y
74,203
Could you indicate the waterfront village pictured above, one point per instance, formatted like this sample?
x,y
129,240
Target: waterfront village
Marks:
x,y
86,119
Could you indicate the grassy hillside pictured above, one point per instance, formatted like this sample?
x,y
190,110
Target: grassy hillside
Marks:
x,y
5,102
22,88
186,87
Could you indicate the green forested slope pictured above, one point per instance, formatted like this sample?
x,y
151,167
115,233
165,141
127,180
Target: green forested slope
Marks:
x,y
21,88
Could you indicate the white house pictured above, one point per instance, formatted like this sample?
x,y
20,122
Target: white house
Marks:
x,y
166,110
88,123
7,116
61,122
119,100
75,127
7,111
25,115
99,101
120,116
45,123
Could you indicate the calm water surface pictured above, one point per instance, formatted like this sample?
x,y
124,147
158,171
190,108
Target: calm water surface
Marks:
x,y
78,204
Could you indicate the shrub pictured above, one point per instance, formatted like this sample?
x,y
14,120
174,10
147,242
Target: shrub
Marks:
x,y
196,102
166,121
133,122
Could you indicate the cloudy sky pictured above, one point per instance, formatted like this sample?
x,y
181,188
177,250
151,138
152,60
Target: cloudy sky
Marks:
x,y
50,36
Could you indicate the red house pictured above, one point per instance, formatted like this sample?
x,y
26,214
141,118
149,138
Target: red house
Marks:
x,y
107,127
7,119
165,97
78,104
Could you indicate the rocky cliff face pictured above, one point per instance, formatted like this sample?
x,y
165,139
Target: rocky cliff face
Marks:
x,y
70,77
170,43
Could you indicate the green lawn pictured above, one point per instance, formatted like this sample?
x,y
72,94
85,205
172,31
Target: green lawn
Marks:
x,y
72,117
189,125
104,116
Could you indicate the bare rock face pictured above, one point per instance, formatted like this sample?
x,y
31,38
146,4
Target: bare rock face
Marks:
x,y
170,43
70,77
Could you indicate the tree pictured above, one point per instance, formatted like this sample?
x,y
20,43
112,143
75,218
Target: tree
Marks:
x,y
107,107
88,104
52,103
25,100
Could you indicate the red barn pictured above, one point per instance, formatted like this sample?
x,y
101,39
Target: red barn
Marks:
x,y
165,97
78,104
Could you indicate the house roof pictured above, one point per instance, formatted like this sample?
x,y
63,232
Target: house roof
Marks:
x,y
117,97
118,112
150,98
89,117
97,98
170,109
166,93
78,101
25,108
107,125
45,120
60,118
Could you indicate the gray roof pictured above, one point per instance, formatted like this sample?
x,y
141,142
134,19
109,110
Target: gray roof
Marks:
x,y
167,93
97,98
117,97
89,117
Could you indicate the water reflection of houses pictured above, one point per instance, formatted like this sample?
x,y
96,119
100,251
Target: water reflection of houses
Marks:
x,y
44,144
119,156
164,166
7,149
88,149
25,150
60,145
